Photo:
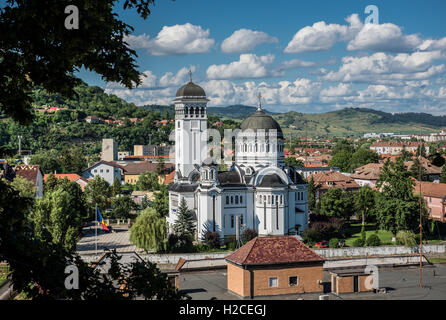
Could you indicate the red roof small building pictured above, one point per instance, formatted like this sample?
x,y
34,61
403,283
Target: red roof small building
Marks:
x,y
276,265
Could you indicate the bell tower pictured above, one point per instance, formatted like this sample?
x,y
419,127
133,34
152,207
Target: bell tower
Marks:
x,y
190,129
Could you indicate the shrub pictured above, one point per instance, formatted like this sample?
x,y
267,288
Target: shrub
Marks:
x,y
231,246
212,239
406,238
334,243
311,235
373,241
359,242
249,234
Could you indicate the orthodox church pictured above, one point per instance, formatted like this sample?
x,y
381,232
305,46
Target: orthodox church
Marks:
x,y
259,188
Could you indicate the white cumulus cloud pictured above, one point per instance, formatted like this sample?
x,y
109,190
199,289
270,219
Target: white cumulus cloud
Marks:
x,y
321,36
174,40
248,66
245,40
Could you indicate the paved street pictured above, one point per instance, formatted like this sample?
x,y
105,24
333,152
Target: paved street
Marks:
x,y
401,284
118,240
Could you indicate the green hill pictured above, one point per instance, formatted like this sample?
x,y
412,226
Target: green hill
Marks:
x,y
356,121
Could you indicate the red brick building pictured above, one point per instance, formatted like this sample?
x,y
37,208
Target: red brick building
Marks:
x,y
274,266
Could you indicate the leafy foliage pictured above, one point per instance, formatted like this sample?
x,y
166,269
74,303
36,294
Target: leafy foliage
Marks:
x,y
406,238
98,192
184,225
37,49
147,181
337,203
149,231
26,188
249,234
212,239
373,240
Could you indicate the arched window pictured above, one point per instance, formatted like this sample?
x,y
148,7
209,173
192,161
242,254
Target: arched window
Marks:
x,y
267,147
202,111
185,112
232,199
227,199
277,199
255,148
272,200
207,177
197,111
236,199
281,199
241,199
269,199
212,174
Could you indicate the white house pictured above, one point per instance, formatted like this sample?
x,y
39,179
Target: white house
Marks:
x,y
268,195
107,170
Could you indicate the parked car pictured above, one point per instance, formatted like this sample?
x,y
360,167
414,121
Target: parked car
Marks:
x,y
321,244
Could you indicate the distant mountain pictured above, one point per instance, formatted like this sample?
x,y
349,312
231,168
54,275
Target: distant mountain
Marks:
x,y
233,112
237,111
357,121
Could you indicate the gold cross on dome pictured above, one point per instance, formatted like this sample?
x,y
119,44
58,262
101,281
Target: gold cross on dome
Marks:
x,y
190,75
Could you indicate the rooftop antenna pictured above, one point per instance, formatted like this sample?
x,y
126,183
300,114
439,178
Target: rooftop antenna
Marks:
x,y
259,96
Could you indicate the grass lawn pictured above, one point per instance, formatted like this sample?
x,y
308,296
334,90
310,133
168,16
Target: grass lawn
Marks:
x,y
437,260
355,231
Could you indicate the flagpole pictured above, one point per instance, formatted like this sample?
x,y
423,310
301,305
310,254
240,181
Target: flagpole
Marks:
x,y
96,232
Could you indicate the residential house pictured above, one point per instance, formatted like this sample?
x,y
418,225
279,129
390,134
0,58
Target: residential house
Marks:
x,y
108,170
431,172
134,170
396,147
73,177
138,196
367,175
307,171
33,174
278,265
93,119
434,195
332,179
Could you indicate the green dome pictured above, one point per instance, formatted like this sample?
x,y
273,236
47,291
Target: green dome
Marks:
x,y
191,90
260,120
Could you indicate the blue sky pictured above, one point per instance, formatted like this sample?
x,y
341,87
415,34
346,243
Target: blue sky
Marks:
x,y
311,56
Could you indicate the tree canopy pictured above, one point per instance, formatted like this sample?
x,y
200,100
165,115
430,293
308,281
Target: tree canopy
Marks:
x,y
38,50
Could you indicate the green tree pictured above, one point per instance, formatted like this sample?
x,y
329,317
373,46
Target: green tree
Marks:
x,y
51,183
48,160
34,39
365,202
147,181
116,187
56,219
405,155
397,207
342,160
149,232
443,174
417,170
293,162
311,195
362,157
122,207
337,203
184,225
26,188
98,192
160,167
161,201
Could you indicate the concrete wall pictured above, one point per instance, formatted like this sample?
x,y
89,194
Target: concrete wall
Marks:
x,y
377,251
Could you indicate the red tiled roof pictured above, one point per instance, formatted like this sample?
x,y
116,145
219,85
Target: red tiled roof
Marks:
x,y
169,178
273,250
143,167
333,179
431,189
69,176
370,171
29,172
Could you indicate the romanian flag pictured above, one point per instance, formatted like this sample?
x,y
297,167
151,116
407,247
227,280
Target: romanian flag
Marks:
x,y
101,220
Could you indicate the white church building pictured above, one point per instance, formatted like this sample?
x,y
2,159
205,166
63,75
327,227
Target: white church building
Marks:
x,y
269,196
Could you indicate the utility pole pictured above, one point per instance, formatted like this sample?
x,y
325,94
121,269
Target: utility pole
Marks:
x,y
20,145
421,221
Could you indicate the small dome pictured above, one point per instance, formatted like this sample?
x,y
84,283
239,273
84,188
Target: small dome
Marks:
x,y
260,120
191,90
271,180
